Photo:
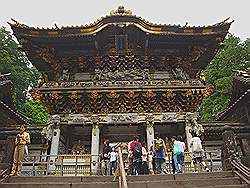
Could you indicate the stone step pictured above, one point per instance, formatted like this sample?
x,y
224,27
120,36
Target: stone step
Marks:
x,y
187,180
60,185
219,182
204,175
78,179
32,179
227,186
185,183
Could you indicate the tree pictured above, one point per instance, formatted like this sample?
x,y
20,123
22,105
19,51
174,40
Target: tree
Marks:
x,y
235,55
23,74
35,110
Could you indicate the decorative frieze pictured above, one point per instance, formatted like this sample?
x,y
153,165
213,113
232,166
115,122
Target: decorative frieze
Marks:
x,y
105,83
122,118
77,119
112,101
169,117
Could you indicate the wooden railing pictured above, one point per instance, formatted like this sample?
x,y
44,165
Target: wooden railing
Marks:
x,y
61,165
231,157
241,170
4,175
122,173
75,165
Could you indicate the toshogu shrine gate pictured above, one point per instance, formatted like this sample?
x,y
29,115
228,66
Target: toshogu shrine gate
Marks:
x,y
118,77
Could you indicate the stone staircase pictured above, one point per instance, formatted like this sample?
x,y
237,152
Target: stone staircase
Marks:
x,y
188,180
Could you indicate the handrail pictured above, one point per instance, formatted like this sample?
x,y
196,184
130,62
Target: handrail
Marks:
x,y
122,173
241,169
4,175
73,165
231,155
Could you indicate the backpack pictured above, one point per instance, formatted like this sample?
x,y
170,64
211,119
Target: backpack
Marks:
x,y
177,149
159,144
137,152
197,147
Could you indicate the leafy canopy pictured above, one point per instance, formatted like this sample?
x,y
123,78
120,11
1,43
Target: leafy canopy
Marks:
x,y
235,55
23,76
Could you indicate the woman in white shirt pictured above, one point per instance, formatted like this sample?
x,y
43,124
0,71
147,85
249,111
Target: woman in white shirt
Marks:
x,y
197,152
112,161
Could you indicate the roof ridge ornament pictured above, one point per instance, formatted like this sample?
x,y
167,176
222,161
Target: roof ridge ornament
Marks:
x,y
17,23
121,11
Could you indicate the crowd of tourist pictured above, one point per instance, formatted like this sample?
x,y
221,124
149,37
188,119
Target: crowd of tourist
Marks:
x,y
140,160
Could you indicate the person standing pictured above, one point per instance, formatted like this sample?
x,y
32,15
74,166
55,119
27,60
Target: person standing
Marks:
x,y
151,160
160,151
22,139
145,169
178,154
112,160
130,159
197,152
136,149
183,148
105,157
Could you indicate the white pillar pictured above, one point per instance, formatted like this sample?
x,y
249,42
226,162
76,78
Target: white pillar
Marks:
x,y
150,134
150,140
150,137
95,148
188,136
54,147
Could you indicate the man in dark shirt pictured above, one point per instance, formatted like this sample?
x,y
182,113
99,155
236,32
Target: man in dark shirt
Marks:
x,y
105,157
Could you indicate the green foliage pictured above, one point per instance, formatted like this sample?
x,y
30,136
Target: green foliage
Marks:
x,y
235,55
13,60
23,74
35,110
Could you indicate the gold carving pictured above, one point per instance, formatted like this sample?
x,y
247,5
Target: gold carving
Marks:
x,y
131,94
207,92
36,95
188,93
54,95
197,53
52,33
87,30
155,28
74,95
207,30
47,54
188,30
34,32
150,94
113,94
168,94
94,95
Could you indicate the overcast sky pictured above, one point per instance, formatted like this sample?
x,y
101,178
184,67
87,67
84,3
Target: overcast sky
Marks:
x,y
45,13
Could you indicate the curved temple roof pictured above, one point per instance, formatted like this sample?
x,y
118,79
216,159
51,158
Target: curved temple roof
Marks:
x,y
187,44
122,18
